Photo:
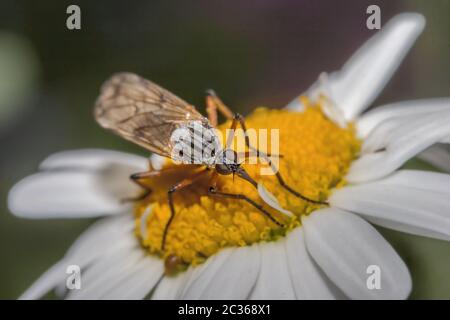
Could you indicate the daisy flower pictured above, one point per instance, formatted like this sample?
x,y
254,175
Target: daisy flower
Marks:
x,y
228,249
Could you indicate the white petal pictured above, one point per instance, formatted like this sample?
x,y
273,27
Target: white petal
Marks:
x,y
157,161
103,270
366,73
270,199
112,169
108,237
417,179
143,222
95,159
171,287
345,246
397,142
78,183
146,274
402,109
108,234
410,201
63,194
204,274
308,280
236,276
118,272
95,263
54,275
274,281
295,105
104,263
437,155
109,272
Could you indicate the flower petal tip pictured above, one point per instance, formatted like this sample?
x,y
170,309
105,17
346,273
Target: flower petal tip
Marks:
x,y
414,18
270,199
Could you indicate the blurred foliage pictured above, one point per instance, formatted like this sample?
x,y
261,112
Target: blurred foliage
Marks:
x,y
252,53
19,71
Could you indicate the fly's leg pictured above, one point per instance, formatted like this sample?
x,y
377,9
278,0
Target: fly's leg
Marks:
x,y
266,157
239,196
144,195
214,105
239,119
283,183
140,177
213,191
211,110
296,193
180,185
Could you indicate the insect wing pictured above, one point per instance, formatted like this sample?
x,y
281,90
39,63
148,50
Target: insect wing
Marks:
x,y
143,112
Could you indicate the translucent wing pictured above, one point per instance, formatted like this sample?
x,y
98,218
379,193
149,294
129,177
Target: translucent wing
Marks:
x,y
142,112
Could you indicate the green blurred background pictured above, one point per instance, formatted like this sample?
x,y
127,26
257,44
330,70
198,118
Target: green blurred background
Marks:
x,y
251,52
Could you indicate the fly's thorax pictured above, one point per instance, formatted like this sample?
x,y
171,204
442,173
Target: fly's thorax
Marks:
x,y
195,142
227,162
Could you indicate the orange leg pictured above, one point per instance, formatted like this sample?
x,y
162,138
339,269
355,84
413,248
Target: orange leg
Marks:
x,y
211,110
136,177
180,185
214,104
139,177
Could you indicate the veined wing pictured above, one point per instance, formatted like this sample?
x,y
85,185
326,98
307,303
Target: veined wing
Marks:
x,y
142,112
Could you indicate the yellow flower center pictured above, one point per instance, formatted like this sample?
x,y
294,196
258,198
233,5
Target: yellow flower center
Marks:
x,y
316,154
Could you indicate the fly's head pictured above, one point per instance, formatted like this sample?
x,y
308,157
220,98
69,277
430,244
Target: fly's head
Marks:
x,y
228,163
